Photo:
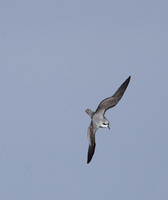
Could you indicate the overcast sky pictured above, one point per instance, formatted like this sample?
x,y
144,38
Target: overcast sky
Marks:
x,y
58,58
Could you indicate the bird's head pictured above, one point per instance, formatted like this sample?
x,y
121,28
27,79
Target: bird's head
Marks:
x,y
105,123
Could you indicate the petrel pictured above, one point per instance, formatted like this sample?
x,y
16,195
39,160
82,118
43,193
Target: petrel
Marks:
x,y
98,120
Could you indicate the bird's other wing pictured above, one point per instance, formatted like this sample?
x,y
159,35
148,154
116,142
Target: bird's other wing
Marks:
x,y
113,100
92,143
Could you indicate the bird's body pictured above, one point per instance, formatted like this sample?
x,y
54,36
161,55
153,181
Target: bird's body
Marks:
x,y
98,119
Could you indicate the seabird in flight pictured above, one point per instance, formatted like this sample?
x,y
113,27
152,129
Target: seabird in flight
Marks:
x,y
98,119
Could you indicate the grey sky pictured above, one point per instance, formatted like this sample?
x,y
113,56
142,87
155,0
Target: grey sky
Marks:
x,y
58,58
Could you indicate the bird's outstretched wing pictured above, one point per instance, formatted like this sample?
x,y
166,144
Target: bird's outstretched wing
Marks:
x,y
92,143
113,100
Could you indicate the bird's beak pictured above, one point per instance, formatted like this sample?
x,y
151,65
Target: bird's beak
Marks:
x,y
108,127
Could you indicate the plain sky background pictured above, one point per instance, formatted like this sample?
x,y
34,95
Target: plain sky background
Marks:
x,y
58,58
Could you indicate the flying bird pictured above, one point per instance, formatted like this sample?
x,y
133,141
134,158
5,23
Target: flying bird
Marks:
x,y
98,120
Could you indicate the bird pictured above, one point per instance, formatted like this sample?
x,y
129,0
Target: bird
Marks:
x,y
98,120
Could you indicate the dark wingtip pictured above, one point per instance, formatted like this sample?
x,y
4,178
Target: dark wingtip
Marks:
x,y
128,79
88,160
91,151
126,82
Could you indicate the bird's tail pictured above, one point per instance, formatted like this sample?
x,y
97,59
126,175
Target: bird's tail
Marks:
x,y
89,112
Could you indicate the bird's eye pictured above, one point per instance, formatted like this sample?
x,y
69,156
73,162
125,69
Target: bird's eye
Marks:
x,y
104,124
